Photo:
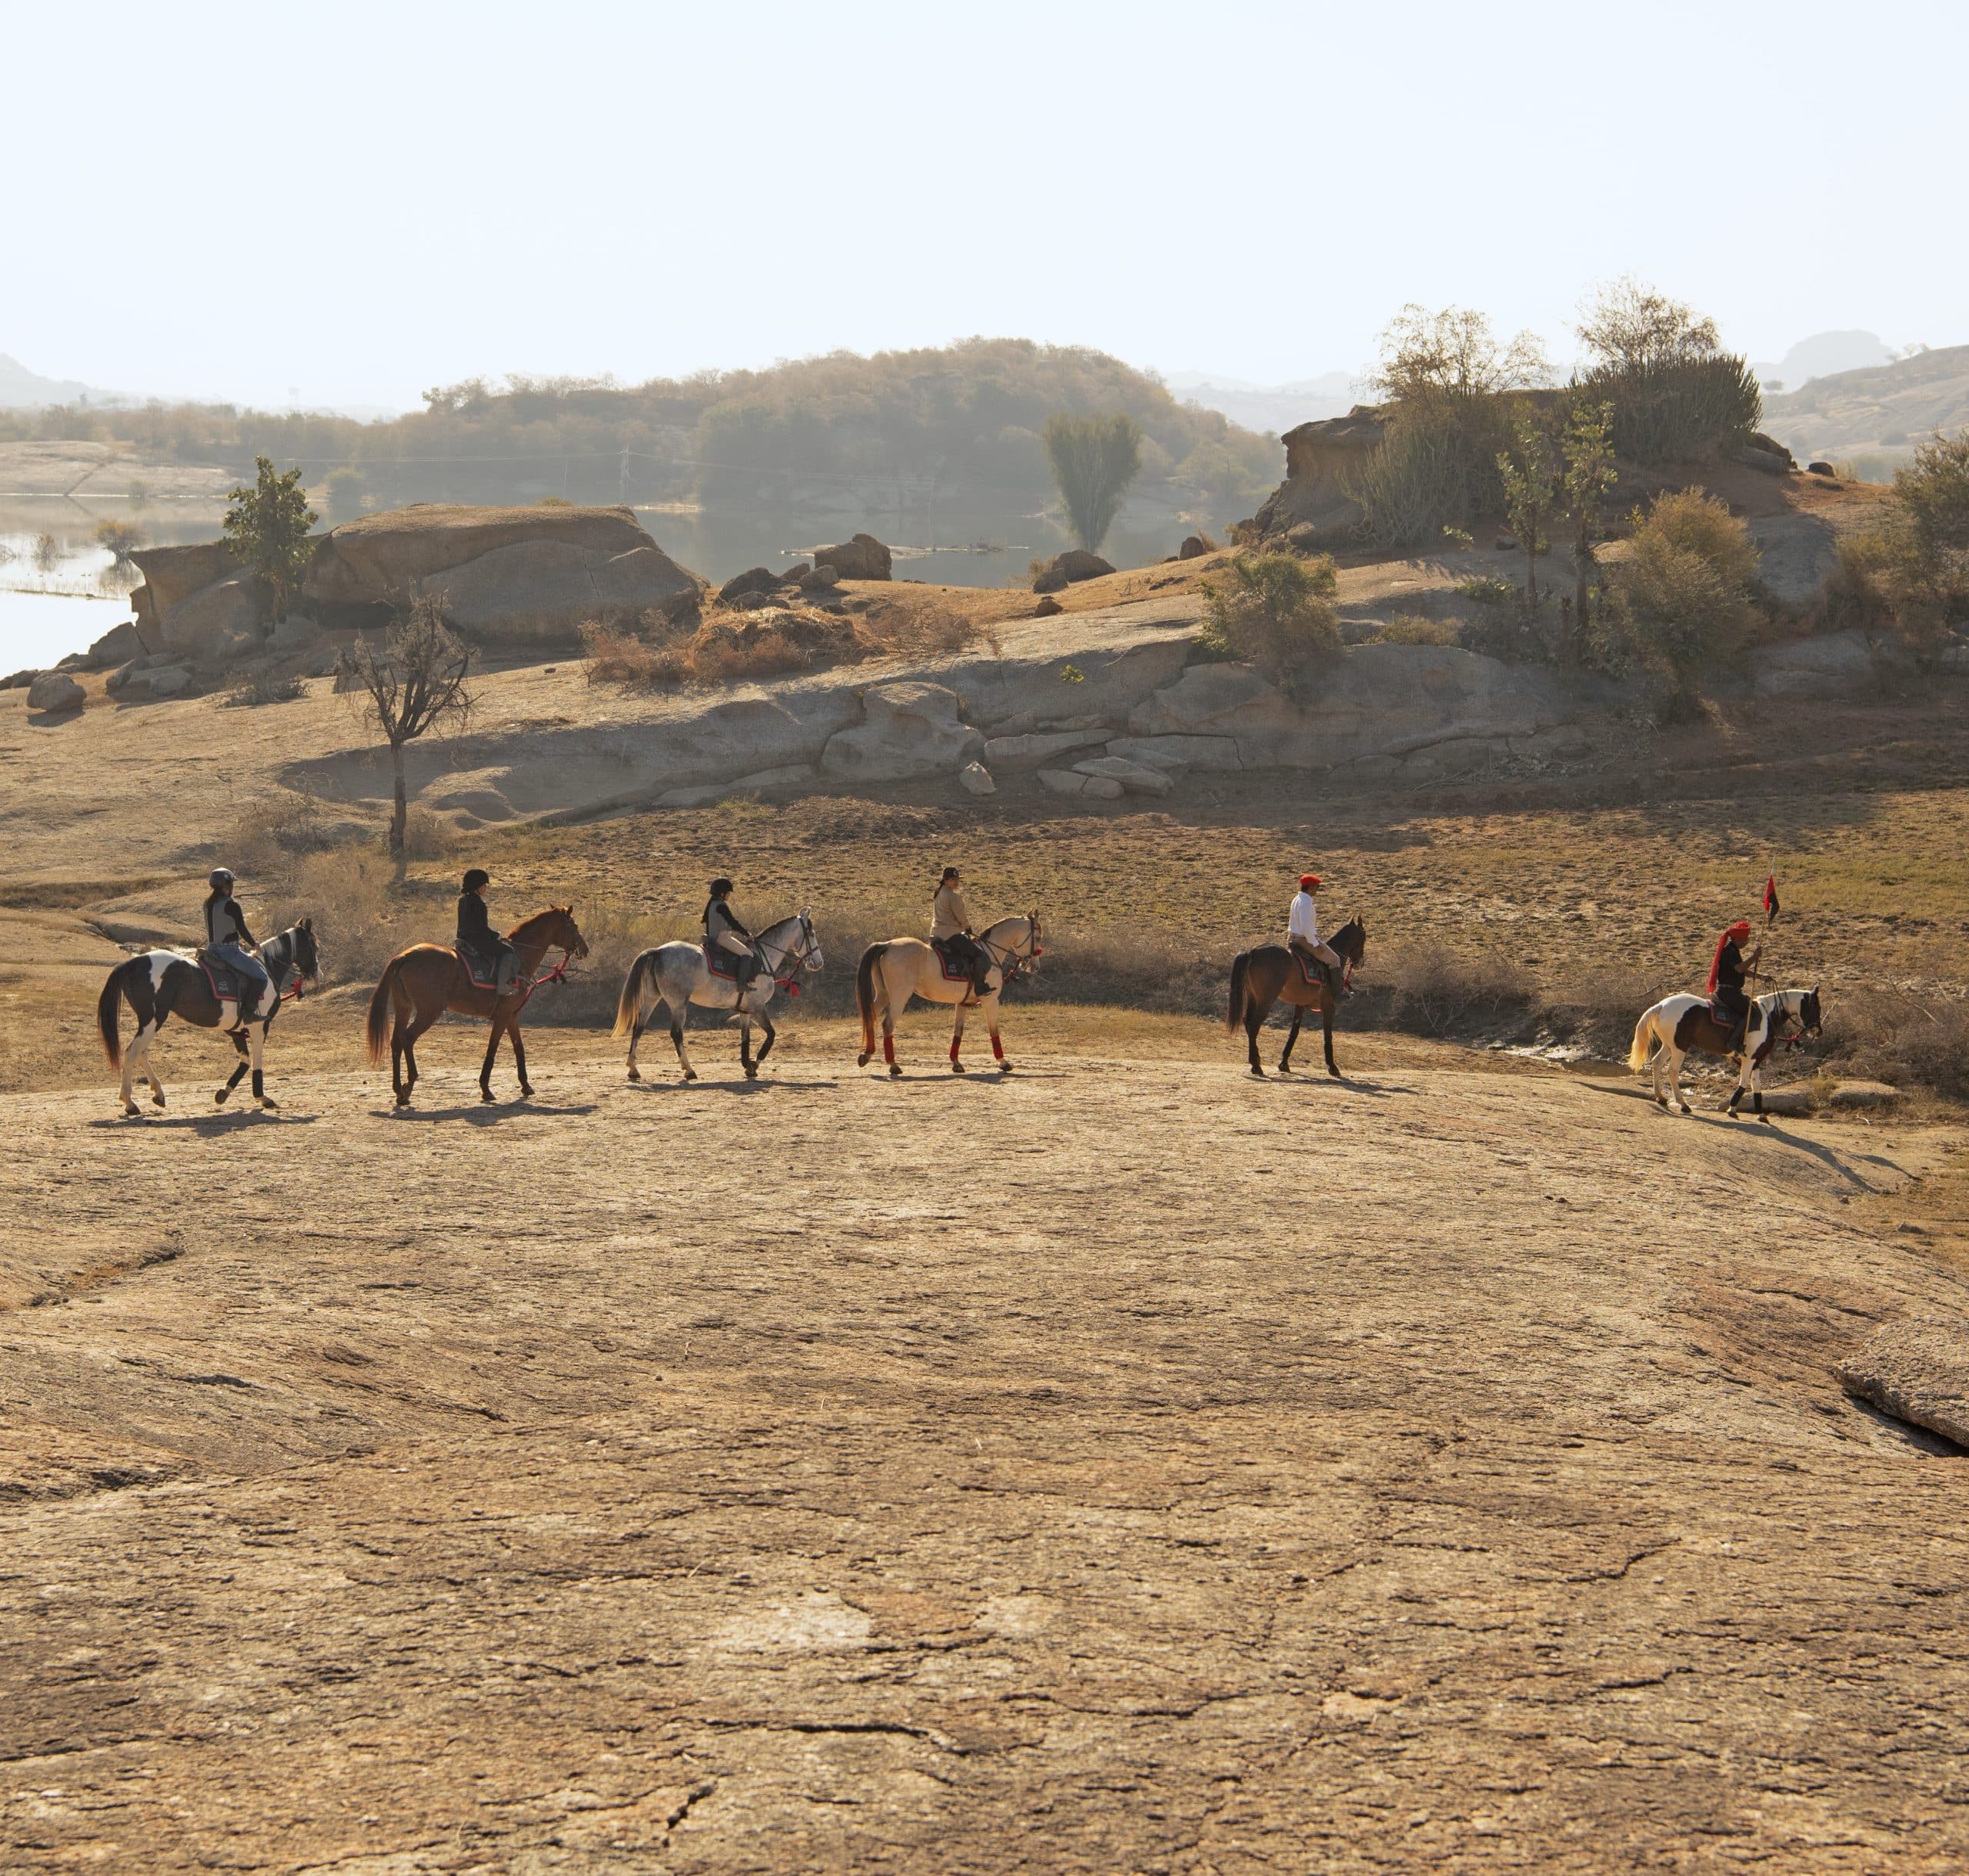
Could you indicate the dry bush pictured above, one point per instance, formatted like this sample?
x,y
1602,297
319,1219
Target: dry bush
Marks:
x,y
728,648
1436,991
360,922
1275,611
919,624
1892,1036
427,836
1413,628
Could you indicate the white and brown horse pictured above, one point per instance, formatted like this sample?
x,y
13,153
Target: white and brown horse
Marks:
x,y
679,974
159,984
893,971
1678,1025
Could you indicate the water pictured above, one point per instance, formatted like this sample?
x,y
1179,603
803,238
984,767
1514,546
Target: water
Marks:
x,y
59,591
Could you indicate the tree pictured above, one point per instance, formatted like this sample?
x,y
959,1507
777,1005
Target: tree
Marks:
x,y
1093,459
1587,450
1628,327
1913,570
267,525
1453,353
1526,473
417,682
119,537
1275,610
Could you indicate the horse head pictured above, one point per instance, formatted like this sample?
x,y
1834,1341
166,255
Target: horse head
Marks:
x,y
554,927
811,949
1350,940
1810,1016
306,953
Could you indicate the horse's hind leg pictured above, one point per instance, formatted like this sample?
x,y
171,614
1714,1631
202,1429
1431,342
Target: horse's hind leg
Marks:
x,y
635,1037
766,1048
679,1010
519,1057
1253,1022
888,1038
1291,1036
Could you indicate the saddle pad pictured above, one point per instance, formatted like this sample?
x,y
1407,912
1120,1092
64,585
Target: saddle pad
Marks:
x,y
480,973
955,969
722,963
225,983
1309,968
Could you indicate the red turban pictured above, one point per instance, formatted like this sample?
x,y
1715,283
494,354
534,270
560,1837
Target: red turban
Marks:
x,y
1309,882
1739,930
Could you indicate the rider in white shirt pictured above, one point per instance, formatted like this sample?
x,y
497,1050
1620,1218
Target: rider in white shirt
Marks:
x,y
1302,927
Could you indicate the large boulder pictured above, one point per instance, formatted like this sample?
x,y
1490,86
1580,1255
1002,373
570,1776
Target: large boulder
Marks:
x,y
1917,1369
1135,777
1075,564
1035,747
753,580
543,592
1830,667
116,646
862,557
172,574
54,691
215,620
908,729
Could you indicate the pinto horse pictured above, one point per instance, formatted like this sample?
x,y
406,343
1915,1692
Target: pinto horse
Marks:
x,y
158,985
893,971
678,975
420,984
1681,1024
1259,978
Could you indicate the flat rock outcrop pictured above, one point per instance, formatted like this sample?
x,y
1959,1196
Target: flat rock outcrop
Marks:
x,y
1917,1370
908,729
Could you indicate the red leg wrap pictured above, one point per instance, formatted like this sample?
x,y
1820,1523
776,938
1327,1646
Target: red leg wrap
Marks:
x,y
889,1048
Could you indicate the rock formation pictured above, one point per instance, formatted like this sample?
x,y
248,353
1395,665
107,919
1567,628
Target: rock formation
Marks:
x,y
1323,460
862,557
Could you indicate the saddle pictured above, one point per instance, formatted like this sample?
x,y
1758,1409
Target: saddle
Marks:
x,y
725,964
481,972
1310,967
956,970
223,978
1735,1028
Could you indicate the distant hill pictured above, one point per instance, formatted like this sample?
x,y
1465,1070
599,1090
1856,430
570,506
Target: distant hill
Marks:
x,y
1884,408
23,390
1274,407
1822,355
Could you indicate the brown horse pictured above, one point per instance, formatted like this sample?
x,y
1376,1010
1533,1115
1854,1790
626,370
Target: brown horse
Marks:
x,y
1260,977
422,983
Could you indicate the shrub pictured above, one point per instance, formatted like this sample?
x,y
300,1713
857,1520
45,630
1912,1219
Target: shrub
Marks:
x,y
267,526
345,488
264,688
1093,460
1275,611
1675,394
1684,589
1891,1036
118,537
1912,572
1413,628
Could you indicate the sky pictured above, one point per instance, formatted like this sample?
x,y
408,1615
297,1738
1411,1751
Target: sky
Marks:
x,y
345,204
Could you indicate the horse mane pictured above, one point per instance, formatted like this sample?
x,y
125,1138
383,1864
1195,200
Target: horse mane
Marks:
x,y
1011,919
539,918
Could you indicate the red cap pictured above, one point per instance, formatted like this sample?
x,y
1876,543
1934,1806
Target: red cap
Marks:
x,y
1741,930
1309,882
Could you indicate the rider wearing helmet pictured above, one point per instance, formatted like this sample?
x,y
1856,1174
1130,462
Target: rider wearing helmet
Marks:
x,y
1727,974
232,946
477,938
950,926
1302,931
723,930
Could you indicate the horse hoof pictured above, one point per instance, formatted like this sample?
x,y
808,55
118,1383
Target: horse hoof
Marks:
x,y
526,1091
1259,1073
132,1111
485,1095
862,1060
690,1074
895,1072
1005,1067
635,1074
219,1096
1765,1118
267,1101
1333,1075
751,1075
956,1067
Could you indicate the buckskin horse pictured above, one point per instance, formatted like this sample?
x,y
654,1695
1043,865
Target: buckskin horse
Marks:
x,y
157,984
895,970
1259,978
1682,1024
678,974
421,983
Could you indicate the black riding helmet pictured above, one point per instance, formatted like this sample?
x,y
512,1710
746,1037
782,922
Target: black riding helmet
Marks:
x,y
220,879
477,878
720,886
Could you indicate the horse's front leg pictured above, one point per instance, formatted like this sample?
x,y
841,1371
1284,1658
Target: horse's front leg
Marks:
x,y
1291,1036
679,1009
519,1056
745,1061
258,1034
766,1048
998,1047
957,1040
491,1054
1326,1027
239,1073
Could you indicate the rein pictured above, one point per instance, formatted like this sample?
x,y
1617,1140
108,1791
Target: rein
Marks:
x,y
1013,962
791,958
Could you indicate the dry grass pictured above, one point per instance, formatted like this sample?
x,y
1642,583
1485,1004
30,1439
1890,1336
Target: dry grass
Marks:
x,y
1413,628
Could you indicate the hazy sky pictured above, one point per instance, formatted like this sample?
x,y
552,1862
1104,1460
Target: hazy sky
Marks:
x,y
358,201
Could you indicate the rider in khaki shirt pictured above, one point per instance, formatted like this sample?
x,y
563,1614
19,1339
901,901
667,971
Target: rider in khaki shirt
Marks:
x,y
950,926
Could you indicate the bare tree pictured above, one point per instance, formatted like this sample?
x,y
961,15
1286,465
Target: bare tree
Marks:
x,y
1455,353
416,682
1628,326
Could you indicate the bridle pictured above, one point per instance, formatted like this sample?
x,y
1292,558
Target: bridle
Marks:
x,y
792,957
1011,960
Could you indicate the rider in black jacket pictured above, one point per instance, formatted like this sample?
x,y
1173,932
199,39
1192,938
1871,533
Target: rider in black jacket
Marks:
x,y
477,937
723,932
233,946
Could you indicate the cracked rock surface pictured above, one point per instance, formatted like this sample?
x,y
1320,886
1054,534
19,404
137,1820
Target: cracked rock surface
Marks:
x,y
1126,1467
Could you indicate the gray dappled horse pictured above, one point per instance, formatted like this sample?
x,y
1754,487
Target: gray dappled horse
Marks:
x,y
159,984
677,974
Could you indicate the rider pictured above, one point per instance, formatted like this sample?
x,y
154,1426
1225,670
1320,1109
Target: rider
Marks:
x,y
232,945
477,939
722,928
950,926
1728,974
1302,931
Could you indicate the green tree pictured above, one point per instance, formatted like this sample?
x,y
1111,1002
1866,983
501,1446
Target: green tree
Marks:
x,y
1530,491
1588,449
1275,610
1913,570
1095,459
417,682
1685,589
267,525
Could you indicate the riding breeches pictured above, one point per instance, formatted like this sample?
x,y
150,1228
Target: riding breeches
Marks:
x,y
253,981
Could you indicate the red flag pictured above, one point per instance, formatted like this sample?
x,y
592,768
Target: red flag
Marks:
x,y
1770,899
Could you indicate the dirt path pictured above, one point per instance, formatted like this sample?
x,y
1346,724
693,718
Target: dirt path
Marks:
x,y
1130,1467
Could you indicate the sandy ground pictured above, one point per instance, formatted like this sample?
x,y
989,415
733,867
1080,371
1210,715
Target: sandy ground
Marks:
x,y
1127,1466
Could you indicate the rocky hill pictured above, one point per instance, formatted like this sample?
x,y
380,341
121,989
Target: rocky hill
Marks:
x,y
1886,408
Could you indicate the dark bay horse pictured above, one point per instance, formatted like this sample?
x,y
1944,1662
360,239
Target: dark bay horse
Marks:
x,y
421,983
1259,978
157,984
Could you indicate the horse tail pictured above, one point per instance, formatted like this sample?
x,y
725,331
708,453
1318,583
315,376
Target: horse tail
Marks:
x,y
865,992
628,1006
1240,966
107,1011
378,1033
1643,1038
